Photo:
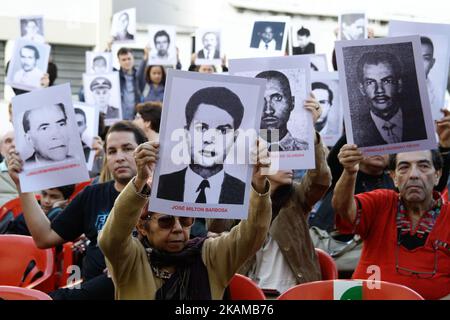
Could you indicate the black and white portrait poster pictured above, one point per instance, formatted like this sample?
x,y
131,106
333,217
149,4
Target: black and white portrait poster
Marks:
x,y
28,64
104,92
162,43
352,26
303,39
318,62
98,62
269,37
123,27
208,129
87,119
47,139
32,28
385,99
285,124
325,87
435,45
208,46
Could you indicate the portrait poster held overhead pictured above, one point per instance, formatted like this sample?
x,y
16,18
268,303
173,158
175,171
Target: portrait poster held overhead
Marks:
x,y
98,62
123,27
352,26
32,28
104,92
302,39
87,119
208,130
325,87
28,64
47,139
385,99
285,124
162,43
208,45
435,45
268,37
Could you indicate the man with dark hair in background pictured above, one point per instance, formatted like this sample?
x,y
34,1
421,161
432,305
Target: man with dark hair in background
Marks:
x,y
209,141
130,83
388,121
278,105
305,46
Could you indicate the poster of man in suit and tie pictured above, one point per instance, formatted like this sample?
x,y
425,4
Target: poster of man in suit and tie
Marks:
x,y
385,96
199,172
208,44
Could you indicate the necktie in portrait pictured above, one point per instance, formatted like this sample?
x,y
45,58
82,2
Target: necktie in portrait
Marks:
x,y
201,198
389,128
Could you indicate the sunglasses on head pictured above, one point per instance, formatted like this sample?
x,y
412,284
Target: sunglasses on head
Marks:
x,y
168,221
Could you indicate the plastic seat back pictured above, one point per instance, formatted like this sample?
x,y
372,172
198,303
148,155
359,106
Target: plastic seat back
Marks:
x,y
22,264
371,290
243,288
17,293
13,206
328,267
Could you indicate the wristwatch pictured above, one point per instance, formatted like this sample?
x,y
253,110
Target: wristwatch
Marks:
x,y
144,193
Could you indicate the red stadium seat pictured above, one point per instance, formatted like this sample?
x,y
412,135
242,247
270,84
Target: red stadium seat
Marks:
x,y
17,293
22,264
328,267
79,187
323,290
13,206
243,288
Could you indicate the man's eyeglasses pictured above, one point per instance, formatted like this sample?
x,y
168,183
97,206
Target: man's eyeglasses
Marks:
x,y
168,221
409,272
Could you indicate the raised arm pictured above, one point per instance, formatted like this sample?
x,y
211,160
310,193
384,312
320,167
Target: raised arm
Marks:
x,y
115,239
226,253
343,198
37,222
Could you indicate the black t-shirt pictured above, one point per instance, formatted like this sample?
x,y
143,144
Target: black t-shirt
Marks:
x,y
87,214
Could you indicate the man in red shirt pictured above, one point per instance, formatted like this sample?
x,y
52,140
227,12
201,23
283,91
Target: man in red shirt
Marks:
x,y
406,233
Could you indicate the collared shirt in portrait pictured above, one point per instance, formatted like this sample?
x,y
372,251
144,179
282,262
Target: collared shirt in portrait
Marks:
x,y
397,130
289,143
271,45
31,78
212,193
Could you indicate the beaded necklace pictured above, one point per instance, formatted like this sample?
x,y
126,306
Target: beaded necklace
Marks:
x,y
426,222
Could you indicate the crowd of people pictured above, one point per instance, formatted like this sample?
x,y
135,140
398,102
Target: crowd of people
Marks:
x,y
397,204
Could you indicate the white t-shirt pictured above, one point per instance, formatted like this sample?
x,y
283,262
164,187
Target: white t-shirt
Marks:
x,y
271,270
